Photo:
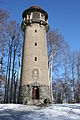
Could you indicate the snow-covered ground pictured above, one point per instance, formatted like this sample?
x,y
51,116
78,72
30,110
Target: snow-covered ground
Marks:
x,y
52,112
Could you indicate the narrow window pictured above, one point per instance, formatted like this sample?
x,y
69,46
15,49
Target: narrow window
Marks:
x,y
35,31
41,15
35,44
35,58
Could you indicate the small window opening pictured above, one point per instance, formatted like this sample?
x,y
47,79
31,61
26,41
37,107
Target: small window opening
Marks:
x,y
35,44
35,58
36,15
41,15
35,30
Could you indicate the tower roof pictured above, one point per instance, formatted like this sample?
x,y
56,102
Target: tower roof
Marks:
x,y
35,8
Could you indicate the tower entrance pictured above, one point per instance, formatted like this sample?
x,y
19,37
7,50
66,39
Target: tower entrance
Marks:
x,y
35,92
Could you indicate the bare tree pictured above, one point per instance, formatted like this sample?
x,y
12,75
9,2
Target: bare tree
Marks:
x,y
73,74
3,39
3,24
61,59
14,45
77,89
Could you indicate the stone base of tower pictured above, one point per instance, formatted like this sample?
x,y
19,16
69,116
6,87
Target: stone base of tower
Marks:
x,y
34,93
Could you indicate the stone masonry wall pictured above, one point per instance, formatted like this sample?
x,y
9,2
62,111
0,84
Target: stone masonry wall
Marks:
x,y
26,92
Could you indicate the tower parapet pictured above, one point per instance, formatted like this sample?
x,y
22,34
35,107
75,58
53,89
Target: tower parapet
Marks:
x,y
35,14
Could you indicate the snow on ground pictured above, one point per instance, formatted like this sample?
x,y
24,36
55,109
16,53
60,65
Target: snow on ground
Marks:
x,y
52,112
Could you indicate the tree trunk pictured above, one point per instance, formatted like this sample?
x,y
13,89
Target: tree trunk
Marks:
x,y
12,80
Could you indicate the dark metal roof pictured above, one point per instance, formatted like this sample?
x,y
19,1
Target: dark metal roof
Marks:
x,y
38,7
35,8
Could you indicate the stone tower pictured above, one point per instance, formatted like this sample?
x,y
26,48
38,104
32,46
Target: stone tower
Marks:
x,y
35,84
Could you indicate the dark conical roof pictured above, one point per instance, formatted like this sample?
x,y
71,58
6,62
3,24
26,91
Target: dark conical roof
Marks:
x,y
35,8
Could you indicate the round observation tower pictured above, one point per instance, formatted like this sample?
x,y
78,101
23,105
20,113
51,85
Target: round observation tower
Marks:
x,y
35,85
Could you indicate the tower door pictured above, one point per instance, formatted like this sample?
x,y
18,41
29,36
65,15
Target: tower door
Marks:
x,y
35,93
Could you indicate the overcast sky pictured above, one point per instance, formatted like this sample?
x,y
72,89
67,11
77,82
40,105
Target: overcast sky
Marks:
x,y
64,15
